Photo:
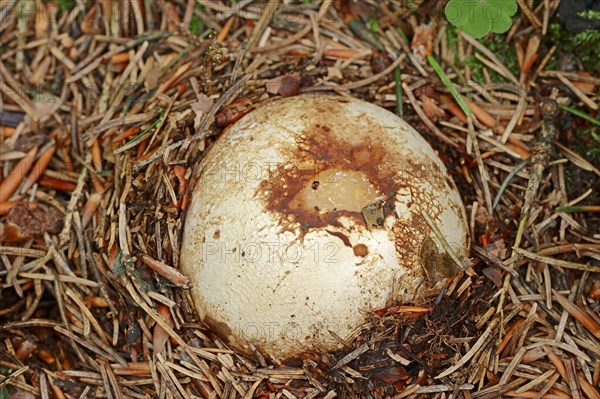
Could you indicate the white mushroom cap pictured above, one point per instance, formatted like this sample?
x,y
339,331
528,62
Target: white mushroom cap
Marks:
x,y
279,258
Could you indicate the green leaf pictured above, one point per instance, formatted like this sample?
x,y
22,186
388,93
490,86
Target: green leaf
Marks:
x,y
479,27
500,13
580,114
502,24
479,17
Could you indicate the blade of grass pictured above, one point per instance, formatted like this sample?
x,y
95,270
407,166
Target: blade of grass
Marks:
x,y
401,32
399,92
140,136
580,114
506,181
579,208
472,137
450,86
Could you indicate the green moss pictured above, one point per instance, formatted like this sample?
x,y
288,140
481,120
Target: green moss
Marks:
x,y
569,184
476,69
553,62
66,5
196,24
373,24
582,46
587,144
590,14
452,41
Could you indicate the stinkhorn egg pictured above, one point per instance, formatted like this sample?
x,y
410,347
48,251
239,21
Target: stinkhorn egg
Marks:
x,y
309,213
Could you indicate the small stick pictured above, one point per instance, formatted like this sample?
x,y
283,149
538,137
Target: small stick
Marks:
x,y
65,233
530,14
484,117
399,100
344,53
176,76
132,131
119,58
374,78
38,169
577,91
90,208
467,356
57,184
572,378
557,362
14,178
588,322
505,71
558,262
225,30
539,161
425,119
588,389
168,272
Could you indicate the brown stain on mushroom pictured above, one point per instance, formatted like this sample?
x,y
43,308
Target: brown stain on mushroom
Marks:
x,y
220,328
360,250
341,236
321,147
